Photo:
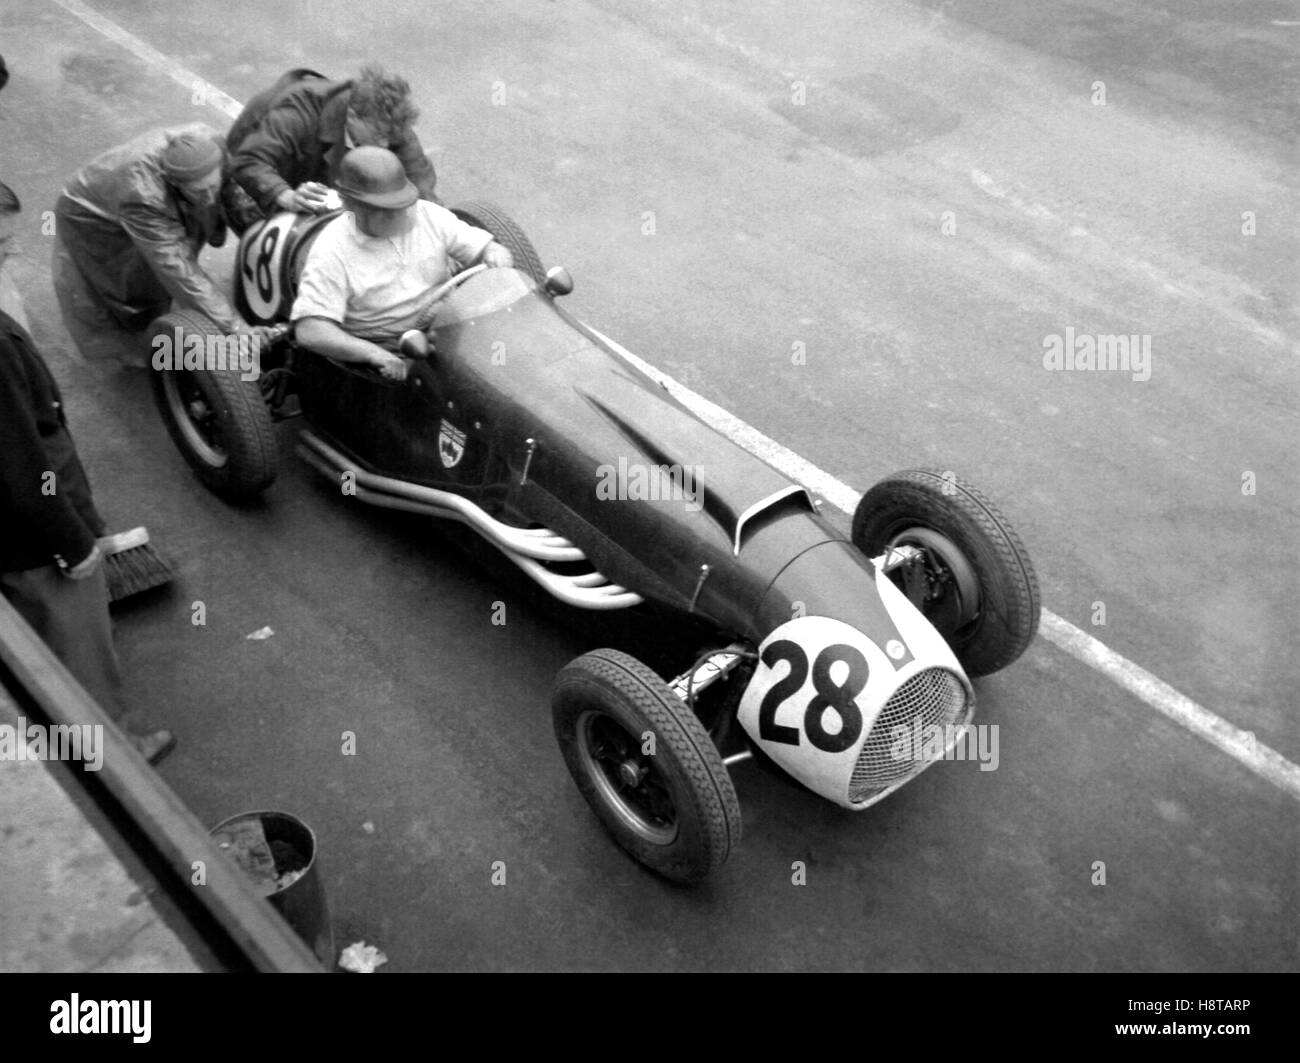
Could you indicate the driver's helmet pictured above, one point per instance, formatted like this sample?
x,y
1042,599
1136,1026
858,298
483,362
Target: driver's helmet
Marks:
x,y
375,176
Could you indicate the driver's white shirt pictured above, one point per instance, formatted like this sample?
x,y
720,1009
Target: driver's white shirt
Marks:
x,y
378,287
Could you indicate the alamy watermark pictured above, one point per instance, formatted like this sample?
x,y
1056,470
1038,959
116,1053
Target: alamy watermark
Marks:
x,y
58,741
929,742
77,1016
637,482
213,352
1085,352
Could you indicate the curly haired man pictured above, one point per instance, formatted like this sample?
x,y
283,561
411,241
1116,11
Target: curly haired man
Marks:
x,y
286,145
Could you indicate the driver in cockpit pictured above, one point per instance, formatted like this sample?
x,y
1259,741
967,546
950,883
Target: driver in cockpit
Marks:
x,y
372,273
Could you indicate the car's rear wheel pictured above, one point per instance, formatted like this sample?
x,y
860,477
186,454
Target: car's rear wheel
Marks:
x,y
219,423
646,765
506,232
975,583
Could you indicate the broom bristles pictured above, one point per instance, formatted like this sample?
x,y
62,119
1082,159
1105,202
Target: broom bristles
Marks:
x,y
132,568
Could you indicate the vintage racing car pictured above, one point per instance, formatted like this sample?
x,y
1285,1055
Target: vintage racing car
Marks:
x,y
545,438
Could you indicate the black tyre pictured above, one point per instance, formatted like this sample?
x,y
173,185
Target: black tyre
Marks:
x,y
977,585
675,809
219,423
504,231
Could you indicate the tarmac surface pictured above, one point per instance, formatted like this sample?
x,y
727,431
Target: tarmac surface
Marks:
x,y
914,197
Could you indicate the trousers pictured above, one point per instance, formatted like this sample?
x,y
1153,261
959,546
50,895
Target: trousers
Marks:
x,y
71,616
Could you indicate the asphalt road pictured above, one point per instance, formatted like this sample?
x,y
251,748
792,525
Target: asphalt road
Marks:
x,y
914,196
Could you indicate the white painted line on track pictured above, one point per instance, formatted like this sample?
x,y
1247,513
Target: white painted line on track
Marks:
x,y
1265,762
1241,745
211,95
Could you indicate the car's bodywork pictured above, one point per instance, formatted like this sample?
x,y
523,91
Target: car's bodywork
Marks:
x,y
608,491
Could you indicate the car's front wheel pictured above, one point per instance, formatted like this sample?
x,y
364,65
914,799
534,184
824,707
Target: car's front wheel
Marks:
x,y
218,421
646,765
505,231
974,581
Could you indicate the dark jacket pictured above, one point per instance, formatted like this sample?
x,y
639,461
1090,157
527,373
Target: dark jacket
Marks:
x,y
136,239
293,132
37,528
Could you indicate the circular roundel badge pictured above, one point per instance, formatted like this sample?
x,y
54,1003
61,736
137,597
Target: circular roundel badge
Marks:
x,y
261,258
895,649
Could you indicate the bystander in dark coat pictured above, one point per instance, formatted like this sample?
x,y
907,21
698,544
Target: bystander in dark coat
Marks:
x,y
51,571
297,132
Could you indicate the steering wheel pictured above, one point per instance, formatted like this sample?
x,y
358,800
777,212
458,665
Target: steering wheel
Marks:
x,y
446,286
372,371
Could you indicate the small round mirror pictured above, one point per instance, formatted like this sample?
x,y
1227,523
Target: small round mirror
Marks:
x,y
558,281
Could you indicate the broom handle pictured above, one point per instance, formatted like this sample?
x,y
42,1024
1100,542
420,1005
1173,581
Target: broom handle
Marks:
x,y
125,540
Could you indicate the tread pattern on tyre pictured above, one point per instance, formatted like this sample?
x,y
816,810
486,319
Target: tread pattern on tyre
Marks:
x,y
252,452
505,231
676,728
914,492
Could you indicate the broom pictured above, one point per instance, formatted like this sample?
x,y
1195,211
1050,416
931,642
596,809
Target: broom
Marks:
x,y
131,564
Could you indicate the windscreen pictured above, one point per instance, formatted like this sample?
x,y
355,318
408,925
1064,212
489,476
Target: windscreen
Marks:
x,y
484,293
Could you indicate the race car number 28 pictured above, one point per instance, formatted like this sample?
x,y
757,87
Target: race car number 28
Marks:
x,y
841,696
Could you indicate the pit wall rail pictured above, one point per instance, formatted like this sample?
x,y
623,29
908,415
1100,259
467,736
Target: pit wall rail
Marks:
x,y
242,922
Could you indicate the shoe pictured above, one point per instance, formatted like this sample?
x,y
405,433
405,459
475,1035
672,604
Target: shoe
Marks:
x,y
154,746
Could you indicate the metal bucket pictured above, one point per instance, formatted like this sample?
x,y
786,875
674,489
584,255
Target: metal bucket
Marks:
x,y
277,852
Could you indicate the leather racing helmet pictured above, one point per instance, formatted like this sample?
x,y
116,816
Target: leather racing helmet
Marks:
x,y
374,176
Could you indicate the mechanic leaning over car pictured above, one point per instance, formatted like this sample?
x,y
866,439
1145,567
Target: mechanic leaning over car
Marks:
x,y
51,567
289,140
130,225
372,273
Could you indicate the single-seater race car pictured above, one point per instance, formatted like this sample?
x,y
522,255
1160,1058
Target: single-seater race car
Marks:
x,y
825,652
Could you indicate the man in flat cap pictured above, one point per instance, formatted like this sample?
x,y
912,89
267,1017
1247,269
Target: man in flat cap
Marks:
x,y
373,272
286,145
130,225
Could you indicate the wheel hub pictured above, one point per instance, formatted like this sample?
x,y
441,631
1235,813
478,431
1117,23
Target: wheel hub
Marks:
x,y
631,773
941,583
630,785
194,417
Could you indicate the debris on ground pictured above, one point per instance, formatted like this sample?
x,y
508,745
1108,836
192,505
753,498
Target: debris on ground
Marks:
x,y
271,864
245,842
360,958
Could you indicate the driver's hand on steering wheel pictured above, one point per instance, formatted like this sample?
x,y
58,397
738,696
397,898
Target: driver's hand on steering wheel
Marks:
x,y
391,366
497,256
307,198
